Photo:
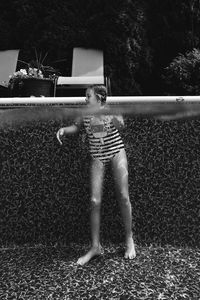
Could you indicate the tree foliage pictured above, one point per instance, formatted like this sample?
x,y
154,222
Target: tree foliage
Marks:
x,y
183,74
173,28
117,27
139,38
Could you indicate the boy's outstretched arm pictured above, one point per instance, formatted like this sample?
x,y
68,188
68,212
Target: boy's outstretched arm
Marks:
x,y
68,130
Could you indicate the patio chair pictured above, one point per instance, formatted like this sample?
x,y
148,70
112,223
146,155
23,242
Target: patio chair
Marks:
x,y
87,69
8,64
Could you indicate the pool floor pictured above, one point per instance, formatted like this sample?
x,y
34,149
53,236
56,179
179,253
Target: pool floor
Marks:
x,y
43,272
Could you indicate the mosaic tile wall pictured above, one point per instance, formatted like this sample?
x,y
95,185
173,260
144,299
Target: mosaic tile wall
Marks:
x,y
45,187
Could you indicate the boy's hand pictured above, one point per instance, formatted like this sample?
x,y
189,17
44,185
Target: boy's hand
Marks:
x,y
59,134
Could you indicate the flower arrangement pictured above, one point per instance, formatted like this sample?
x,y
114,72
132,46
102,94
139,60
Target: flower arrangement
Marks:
x,y
18,76
35,69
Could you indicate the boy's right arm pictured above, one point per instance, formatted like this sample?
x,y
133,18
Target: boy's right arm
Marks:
x,y
69,129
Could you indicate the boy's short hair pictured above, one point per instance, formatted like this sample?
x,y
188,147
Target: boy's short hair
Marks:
x,y
100,92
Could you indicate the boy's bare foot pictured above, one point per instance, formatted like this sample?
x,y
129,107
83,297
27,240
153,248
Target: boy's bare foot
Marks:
x,y
94,251
130,249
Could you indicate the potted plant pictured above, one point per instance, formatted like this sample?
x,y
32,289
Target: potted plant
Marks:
x,y
34,80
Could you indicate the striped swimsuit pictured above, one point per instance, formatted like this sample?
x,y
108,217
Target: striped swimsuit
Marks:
x,y
106,147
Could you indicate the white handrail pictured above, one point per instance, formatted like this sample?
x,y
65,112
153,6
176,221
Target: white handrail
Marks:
x,y
110,100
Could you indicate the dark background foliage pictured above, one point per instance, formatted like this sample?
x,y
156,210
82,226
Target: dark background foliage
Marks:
x,y
173,28
139,38
182,75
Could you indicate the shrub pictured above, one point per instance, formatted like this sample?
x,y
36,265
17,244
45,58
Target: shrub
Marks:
x,y
183,74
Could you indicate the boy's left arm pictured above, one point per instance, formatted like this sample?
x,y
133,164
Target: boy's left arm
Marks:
x,y
118,122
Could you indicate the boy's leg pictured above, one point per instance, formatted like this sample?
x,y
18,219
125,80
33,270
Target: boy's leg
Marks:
x,y
97,174
120,172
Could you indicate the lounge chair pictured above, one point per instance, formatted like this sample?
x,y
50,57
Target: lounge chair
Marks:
x,y
87,69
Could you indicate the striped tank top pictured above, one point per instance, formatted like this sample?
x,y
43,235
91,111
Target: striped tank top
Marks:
x,y
104,139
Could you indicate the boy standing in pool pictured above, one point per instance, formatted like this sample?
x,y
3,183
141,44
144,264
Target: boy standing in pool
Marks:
x,y
106,146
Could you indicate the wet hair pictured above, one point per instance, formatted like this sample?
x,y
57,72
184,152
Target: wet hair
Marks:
x,y
100,92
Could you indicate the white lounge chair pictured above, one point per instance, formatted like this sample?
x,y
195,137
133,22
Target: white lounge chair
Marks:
x,y
8,64
87,69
